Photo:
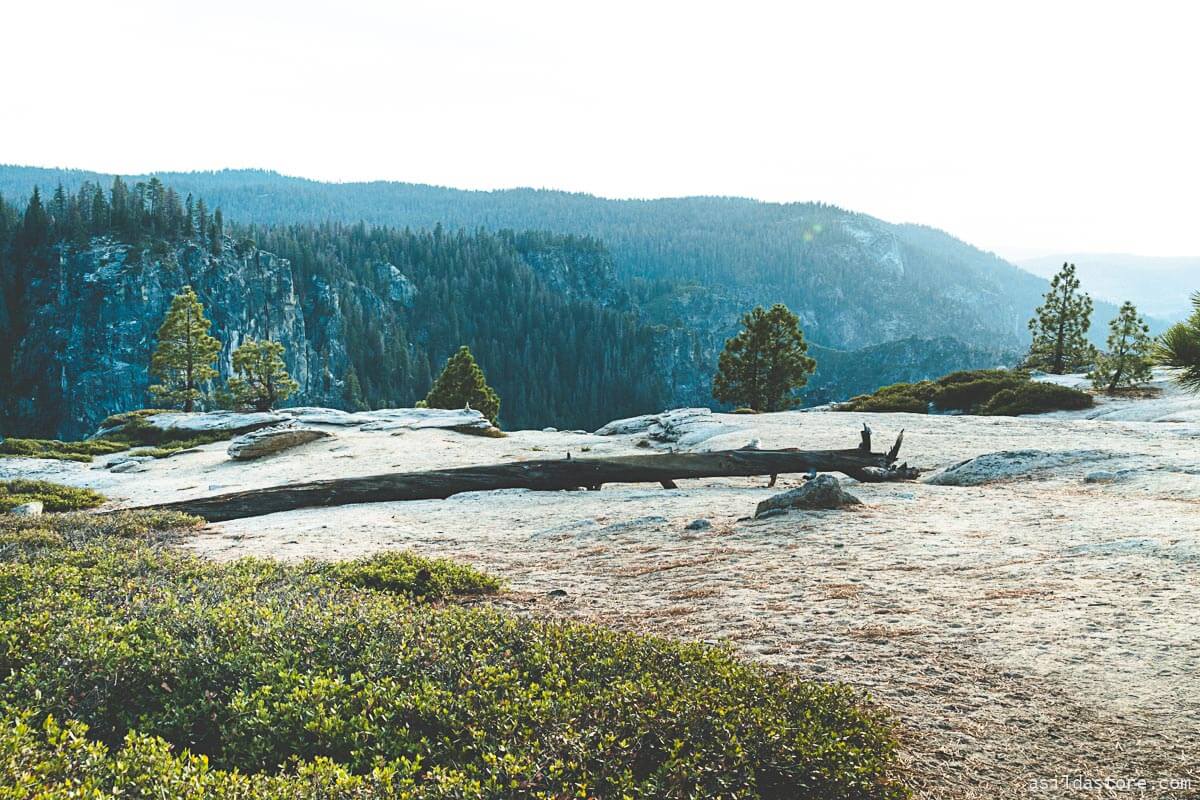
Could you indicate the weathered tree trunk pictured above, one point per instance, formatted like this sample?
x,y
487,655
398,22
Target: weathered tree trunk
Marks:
x,y
546,474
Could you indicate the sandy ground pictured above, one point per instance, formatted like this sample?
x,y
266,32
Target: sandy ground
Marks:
x,y
1034,627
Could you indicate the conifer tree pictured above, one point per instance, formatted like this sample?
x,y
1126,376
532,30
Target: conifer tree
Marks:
x,y
183,359
462,383
1060,327
352,392
765,363
1127,360
260,378
1179,347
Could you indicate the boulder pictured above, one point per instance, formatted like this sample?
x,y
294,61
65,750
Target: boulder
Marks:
x,y
31,509
266,441
129,464
681,426
822,492
1010,464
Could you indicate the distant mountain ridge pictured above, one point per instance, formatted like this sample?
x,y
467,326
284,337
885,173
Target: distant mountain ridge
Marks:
x,y
691,267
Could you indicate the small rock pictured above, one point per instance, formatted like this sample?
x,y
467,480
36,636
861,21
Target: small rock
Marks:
x,y
549,430
31,509
822,492
1100,476
128,465
556,593
698,525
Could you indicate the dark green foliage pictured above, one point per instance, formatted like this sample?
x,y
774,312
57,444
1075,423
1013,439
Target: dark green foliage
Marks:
x,y
1126,362
987,391
54,496
1036,397
309,688
1060,327
766,363
260,379
1179,347
553,357
411,575
185,353
461,383
909,398
970,389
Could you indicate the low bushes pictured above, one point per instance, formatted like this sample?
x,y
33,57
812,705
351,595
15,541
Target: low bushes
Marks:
x,y
255,679
989,392
410,575
132,431
1036,397
54,496
63,451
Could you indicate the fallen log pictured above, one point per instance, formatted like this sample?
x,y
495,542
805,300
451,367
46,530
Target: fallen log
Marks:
x,y
547,474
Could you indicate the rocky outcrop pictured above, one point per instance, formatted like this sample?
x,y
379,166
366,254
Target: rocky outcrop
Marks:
x,y
1010,464
95,319
822,492
275,439
180,424
684,427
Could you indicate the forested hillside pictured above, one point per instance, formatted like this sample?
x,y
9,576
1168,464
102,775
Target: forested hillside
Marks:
x,y
622,308
367,314
854,280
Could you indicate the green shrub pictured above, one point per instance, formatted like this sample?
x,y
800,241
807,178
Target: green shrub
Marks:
x,y
912,398
55,496
255,679
410,575
63,451
986,391
1035,397
968,390
130,430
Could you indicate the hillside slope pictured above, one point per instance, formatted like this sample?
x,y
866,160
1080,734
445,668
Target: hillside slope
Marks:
x,y
365,317
855,280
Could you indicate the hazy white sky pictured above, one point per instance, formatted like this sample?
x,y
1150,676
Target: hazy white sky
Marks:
x,y
1024,127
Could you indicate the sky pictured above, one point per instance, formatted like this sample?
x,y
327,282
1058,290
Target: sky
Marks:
x,y
1026,128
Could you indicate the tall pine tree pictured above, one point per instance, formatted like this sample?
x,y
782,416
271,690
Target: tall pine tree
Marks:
x,y
765,363
185,354
462,383
1060,327
1127,359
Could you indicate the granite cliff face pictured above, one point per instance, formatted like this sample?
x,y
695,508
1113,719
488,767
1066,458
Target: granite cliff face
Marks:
x,y
95,318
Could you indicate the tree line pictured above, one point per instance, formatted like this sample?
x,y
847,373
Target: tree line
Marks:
x,y
186,352
766,364
1059,329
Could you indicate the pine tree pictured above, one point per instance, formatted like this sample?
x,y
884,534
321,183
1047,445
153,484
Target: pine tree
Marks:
x,y
765,363
1127,361
35,226
1060,327
1179,347
461,384
260,378
352,392
185,353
